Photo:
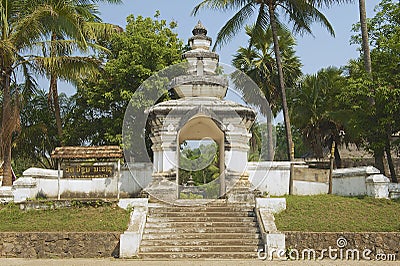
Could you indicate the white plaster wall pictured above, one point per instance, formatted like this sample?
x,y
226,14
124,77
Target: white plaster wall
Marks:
x,y
309,188
101,186
349,186
352,181
270,177
135,177
236,160
168,161
131,181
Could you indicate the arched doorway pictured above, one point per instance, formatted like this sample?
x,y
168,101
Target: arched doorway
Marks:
x,y
201,136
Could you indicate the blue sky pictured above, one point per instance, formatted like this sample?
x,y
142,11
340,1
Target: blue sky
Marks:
x,y
315,52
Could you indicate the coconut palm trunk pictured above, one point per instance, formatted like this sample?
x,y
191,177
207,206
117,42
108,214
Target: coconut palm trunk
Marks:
x,y
278,59
6,128
364,35
56,105
53,91
378,155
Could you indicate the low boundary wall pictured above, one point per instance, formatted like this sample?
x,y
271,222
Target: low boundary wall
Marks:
x,y
106,244
59,244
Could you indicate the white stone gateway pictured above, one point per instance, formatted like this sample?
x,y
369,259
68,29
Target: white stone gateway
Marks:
x,y
199,113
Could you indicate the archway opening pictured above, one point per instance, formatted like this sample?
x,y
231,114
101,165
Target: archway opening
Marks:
x,y
201,166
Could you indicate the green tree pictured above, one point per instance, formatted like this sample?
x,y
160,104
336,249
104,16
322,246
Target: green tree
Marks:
x,y
373,125
258,62
280,151
145,47
376,123
315,112
24,29
38,135
191,158
301,13
91,29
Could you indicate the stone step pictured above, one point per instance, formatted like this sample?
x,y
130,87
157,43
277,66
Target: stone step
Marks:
x,y
188,236
213,231
193,229
189,202
195,203
198,224
199,255
201,242
193,248
201,209
202,214
192,219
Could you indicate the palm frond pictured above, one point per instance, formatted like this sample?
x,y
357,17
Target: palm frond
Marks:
x,y
234,25
69,68
303,13
223,5
330,3
262,23
95,31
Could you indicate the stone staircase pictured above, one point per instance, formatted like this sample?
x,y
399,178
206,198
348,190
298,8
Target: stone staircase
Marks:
x,y
214,231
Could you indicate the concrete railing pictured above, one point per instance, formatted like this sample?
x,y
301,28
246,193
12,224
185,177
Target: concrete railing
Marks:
x,y
273,240
130,240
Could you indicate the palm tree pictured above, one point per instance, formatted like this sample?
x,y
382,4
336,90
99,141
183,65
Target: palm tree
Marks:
x,y
258,62
314,113
24,27
18,30
301,13
91,30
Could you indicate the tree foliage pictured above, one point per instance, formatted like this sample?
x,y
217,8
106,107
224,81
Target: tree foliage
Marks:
x,y
375,124
315,111
145,47
25,29
259,63
206,155
301,14
38,134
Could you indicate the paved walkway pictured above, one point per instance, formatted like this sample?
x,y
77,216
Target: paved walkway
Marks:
x,y
118,262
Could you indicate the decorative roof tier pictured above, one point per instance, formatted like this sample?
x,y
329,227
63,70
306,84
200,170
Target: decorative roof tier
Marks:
x,y
202,79
201,105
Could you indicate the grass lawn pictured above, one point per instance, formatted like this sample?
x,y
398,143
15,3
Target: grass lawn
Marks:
x,y
74,219
330,213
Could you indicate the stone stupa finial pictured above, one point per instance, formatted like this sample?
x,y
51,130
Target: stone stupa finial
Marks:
x,y
199,29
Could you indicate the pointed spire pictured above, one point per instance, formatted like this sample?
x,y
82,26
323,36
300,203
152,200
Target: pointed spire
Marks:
x,y
199,29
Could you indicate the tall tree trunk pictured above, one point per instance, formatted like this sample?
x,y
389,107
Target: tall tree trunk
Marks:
x,y
270,138
53,91
286,118
338,159
56,103
379,156
6,129
364,35
390,161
